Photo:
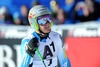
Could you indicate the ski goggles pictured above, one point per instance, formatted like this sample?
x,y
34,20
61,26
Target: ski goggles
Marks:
x,y
42,20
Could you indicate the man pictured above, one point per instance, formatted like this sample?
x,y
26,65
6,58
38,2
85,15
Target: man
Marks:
x,y
43,48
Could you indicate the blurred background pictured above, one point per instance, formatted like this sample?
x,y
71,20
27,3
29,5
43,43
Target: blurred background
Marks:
x,y
78,21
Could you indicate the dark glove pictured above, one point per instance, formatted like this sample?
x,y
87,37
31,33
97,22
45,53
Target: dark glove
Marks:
x,y
31,47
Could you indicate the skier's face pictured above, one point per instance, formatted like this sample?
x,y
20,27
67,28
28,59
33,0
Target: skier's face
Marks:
x,y
45,23
45,28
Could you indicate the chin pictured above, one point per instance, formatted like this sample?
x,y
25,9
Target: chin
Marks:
x,y
48,31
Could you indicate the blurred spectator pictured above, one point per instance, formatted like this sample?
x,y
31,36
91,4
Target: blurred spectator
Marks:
x,y
5,17
61,18
54,8
96,4
89,10
17,19
82,13
69,9
92,9
2,16
24,13
69,5
35,2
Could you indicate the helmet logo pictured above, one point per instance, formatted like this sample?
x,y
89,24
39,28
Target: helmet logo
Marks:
x,y
41,10
31,15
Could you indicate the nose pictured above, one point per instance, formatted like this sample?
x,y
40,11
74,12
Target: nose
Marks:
x,y
47,22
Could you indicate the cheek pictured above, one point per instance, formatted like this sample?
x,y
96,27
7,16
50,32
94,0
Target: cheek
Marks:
x,y
42,28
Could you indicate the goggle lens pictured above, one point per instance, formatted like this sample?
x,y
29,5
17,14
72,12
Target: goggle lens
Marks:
x,y
44,19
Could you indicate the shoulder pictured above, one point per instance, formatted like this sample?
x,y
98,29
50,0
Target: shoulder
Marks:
x,y
54,34
27,38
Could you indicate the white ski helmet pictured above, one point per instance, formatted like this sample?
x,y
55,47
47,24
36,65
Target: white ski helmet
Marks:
x,y
35,12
